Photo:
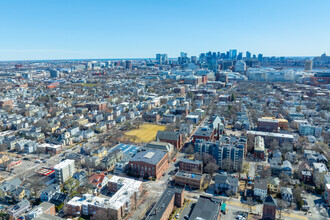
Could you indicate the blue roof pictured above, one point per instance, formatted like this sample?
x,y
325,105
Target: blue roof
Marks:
x,y
127,149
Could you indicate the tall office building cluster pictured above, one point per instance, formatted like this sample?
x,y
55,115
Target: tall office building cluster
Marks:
x,y
161,58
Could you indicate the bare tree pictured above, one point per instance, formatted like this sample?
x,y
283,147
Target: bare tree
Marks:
x,y
284,177
211,168
35,186
189,149
281,206
249,204
274,145
297,196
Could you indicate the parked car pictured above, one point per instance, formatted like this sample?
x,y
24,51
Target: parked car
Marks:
x,y
305,208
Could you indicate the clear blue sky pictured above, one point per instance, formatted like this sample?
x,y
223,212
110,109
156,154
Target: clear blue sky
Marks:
x,y
63,29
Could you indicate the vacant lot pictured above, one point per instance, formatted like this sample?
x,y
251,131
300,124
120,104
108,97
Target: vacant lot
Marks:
x,y
145,133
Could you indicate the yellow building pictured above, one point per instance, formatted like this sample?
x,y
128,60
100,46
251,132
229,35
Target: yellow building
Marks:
x,y
274,185
81,121
101,152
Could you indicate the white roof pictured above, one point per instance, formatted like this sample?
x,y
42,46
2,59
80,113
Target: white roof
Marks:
x,y
63,164
119,199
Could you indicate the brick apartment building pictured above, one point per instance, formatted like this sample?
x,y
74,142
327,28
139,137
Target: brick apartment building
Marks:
x,y
150,163
151,117
271,124
193,180
180,90
194,166
171,197
174,138
119,204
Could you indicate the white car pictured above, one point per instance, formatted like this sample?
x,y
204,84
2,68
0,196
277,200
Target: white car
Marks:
x,y
177,216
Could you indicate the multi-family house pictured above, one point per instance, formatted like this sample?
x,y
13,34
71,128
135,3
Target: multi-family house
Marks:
x,y
100,152
17,210
47,194
319,170
273,184
225,182
81,177
286,194
287,167
260,188
8,187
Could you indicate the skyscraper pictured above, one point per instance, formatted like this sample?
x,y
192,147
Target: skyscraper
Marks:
x,y
161,58
193,59
260,57
248,55
240,56
183,58
233,54
128,64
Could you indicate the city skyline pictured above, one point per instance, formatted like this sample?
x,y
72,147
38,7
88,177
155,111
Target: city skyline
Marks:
x,y
37,30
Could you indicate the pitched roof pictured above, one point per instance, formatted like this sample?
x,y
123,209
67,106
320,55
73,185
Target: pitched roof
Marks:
x,y
270,201
260,184
206,208
168,135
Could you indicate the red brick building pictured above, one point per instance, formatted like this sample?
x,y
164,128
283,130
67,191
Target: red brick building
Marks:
x,y
204,133
180,90
269,208
100,106
170,198
150,163
174,138
7,102
194,166
306,176
151,117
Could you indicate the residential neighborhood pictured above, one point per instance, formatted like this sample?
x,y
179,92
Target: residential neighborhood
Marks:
x,y
164,139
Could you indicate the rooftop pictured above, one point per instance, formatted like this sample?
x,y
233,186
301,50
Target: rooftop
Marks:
x,y
63,164
119,199
206,208
270,134
149,156
197,162
189,175
163,202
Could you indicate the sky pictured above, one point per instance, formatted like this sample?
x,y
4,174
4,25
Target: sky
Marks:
x,y
99,29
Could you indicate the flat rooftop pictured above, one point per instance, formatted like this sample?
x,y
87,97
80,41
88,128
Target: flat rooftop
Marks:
x,y
63,164
189,175
119,199
197,162
270,134
149,156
